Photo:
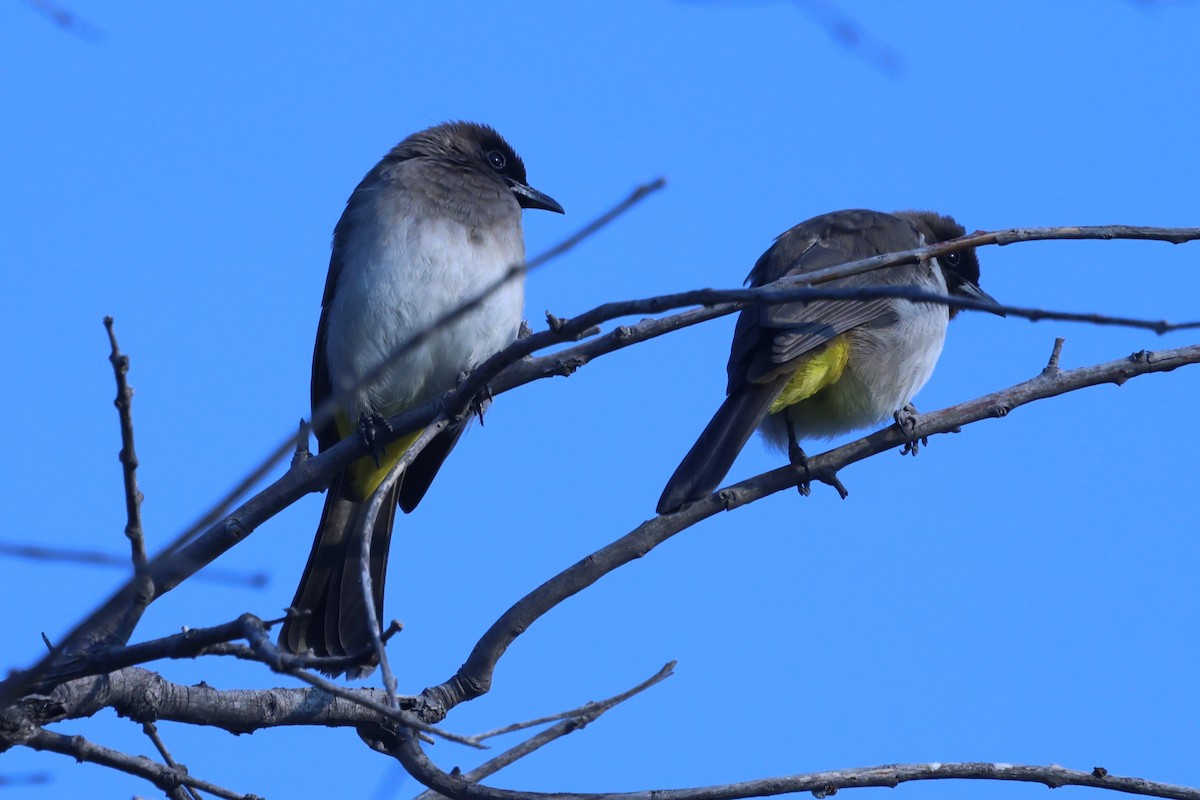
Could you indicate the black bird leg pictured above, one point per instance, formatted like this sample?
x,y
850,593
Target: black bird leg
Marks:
x,y
906,419
797,457
370,423
479,403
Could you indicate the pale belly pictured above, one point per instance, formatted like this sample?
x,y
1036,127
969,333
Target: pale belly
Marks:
x,y
883,375
403,281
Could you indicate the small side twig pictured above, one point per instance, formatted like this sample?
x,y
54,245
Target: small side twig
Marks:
x,y
572,721
301,453
143,582
72,555
128,456
179,792
1052,365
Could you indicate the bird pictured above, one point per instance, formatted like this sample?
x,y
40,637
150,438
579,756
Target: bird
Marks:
x,y
432,225
825,367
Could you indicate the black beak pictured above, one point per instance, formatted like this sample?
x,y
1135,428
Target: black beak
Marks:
x,y
529,197
971,289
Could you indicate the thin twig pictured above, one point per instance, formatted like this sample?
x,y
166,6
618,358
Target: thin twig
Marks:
x,y
854,37
381,495
1055,354
589,230
586,709
142,584
128,456
179,792
162,776
29,779
70,555
69,21
572,721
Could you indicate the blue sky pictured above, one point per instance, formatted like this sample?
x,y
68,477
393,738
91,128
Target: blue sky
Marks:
x,y
1023,592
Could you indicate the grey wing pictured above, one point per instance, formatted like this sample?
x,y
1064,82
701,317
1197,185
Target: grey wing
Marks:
x,y
321,387
769,339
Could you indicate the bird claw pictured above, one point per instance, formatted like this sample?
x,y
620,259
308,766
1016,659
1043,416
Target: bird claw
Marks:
x,y
369,426
906,420
799,458
479,402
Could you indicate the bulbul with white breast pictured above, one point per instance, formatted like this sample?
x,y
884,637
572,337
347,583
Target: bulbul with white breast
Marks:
x,y
436,221
826,367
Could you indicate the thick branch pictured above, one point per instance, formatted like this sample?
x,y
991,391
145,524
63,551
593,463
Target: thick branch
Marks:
x,y
143,696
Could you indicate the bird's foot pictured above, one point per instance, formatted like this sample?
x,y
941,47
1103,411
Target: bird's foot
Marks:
x,y
479,402
906,420
799,458
369,426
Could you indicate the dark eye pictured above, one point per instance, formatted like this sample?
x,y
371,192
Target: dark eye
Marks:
x,y
951,260
497,160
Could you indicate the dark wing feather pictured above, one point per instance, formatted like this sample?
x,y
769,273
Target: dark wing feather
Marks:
x,y
769,339
421,472
321,388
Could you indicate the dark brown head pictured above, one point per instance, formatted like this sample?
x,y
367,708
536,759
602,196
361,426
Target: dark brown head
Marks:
x,y
961,267
475,146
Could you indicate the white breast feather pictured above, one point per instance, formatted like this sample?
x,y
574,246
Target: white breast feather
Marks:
x,y
404,275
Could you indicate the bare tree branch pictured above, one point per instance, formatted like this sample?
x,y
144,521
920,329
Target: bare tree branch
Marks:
x,y
30,779
71,555
146,694
848,34
142,695
66,19
169,569
162,776
475,676
264,650
142,586
217,641
572,721
820,784
128,456
854,37
178,792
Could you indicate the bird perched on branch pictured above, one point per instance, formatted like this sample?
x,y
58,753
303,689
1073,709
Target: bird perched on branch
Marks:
x,y
824,367
434,223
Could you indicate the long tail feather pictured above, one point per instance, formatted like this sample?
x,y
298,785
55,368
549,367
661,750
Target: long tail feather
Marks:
x,y
331,587
709,460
